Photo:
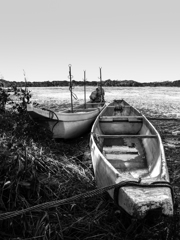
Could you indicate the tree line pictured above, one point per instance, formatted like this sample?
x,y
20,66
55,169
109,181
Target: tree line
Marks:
x,y
109,82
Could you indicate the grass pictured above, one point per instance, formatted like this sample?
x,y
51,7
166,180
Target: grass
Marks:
x,y
36,169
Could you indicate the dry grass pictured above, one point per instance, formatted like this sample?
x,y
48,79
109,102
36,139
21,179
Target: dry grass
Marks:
x,y
35,169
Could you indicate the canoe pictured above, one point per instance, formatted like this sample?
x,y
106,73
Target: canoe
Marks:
x,y
67,124
126,149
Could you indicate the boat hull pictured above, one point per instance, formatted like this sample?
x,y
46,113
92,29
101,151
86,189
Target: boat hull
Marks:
x,y
66,125
138,156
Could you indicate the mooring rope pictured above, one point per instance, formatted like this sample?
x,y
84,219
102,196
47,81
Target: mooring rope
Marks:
x,y
73,94
53,113
92,193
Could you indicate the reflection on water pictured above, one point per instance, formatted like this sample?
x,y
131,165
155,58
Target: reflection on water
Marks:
x,y
164,100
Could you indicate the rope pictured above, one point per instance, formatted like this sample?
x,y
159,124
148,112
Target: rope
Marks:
x,y
73,94
92,193
52,117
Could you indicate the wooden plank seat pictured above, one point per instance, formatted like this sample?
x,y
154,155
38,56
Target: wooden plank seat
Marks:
x,y
116,150
131,119
120,120
119,106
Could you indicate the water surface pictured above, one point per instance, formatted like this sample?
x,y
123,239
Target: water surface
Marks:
x,y
164,100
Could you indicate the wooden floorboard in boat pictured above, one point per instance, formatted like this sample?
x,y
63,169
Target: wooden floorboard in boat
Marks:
x,y
138,173
128,158
128,165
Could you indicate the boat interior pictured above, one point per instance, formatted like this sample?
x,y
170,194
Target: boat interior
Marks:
x,y
128,141
88,107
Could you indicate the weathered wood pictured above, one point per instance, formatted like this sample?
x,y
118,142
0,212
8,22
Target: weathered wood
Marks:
x,y
134,119
117,107
120,117
120,120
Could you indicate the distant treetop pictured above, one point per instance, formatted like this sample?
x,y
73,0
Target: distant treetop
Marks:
x,y
109,83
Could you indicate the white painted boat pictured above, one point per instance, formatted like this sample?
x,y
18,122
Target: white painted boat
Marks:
x,y
125,146
67,124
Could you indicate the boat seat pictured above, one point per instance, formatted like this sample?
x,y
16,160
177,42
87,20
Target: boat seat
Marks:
x,y
131,119
118,106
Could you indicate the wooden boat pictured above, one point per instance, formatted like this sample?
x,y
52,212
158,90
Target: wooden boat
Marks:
x,y
127,149
67,124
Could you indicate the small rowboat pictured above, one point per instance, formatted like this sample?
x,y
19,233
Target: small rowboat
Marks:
x,y
67,124
126,148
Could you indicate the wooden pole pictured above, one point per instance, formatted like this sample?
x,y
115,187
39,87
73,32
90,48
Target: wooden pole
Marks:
x,y
70,88
101,82
85,89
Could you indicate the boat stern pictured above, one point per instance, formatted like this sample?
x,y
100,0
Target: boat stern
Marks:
x,y
139,202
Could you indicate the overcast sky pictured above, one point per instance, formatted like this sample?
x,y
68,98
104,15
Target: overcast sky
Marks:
x,y
129,39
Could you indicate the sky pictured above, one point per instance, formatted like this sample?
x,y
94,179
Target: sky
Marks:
x,y
129,39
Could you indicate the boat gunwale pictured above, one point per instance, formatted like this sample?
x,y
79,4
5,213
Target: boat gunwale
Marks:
x,y
59,116
124,136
